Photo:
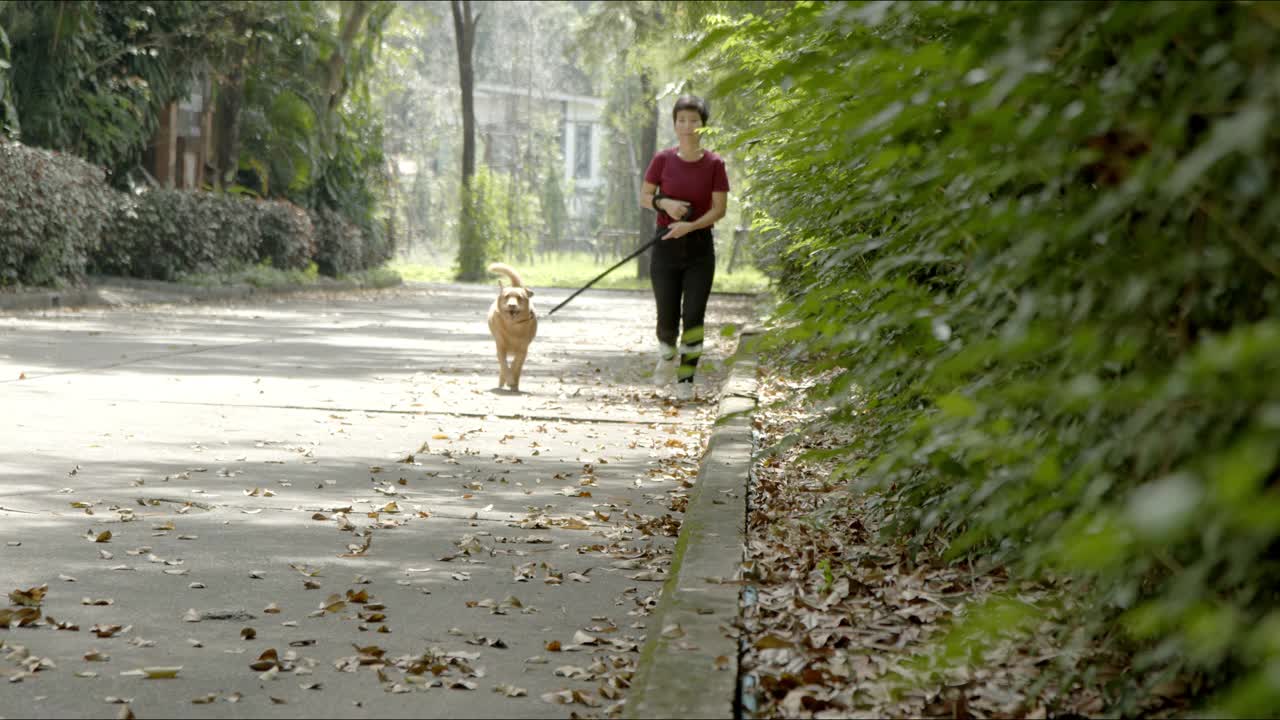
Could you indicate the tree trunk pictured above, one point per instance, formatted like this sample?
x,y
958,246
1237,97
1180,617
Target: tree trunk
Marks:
x,y
227,125
354,16
471,258
648,146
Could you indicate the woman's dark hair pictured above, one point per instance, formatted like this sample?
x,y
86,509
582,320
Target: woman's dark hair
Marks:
x,y
691,102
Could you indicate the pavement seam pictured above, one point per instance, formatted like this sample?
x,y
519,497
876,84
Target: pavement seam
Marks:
x,y
688,666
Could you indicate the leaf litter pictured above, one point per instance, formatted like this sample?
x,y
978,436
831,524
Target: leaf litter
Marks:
x,y
845,621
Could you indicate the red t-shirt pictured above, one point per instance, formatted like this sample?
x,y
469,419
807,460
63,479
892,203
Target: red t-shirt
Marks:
x,y
692,182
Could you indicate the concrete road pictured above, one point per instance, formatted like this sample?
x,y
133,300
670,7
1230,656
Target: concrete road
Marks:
x,y
321,506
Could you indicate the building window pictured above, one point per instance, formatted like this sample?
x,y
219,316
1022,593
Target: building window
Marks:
x,y
582,151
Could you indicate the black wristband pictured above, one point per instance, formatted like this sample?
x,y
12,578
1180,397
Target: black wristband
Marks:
x,y
659,196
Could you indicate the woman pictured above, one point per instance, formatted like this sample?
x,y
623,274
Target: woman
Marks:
x,y
689,188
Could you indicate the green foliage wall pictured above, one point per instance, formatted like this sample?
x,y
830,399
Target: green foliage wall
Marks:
x,y
89,78
1037,244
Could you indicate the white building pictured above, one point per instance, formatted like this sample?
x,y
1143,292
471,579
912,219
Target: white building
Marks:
x,y
504,115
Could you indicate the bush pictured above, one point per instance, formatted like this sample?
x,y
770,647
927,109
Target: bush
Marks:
x,y
287,237
165,234
340,244
1037,245
378,246
52,211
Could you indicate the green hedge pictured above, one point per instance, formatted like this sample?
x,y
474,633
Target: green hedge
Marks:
x,y
164,234
287,237
340,245
59,221
52,210
1037,245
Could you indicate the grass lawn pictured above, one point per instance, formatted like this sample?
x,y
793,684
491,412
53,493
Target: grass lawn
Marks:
x,y
573,270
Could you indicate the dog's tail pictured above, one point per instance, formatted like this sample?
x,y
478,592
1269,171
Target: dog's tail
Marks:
x,y
504,269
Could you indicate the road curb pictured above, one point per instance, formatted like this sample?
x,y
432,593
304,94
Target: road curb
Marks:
x,y
688,666
115,292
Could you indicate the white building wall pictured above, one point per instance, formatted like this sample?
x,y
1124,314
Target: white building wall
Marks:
x,y
493,101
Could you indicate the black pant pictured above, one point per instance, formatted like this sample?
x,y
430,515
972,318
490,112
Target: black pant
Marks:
x,y
683,268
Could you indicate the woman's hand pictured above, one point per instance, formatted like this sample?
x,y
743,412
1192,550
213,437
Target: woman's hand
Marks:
x,y
674,208
678,230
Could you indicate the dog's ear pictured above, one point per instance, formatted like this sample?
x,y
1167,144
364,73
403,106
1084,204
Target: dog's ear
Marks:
x,y
528,292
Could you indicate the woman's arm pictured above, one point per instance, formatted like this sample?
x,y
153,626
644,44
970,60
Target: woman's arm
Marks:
x,y
669,205
647,189
719,204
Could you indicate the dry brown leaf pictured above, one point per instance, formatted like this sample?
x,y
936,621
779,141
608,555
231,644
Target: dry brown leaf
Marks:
x,y
106,631
569,697
266,661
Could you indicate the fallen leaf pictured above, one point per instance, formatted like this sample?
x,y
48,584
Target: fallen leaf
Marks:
x,y
106,631
267,660
569,697
30,597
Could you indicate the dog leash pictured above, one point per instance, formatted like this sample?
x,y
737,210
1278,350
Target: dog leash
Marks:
x,y
620,263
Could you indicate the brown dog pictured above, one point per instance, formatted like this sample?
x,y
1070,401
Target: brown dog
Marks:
x,y
513,324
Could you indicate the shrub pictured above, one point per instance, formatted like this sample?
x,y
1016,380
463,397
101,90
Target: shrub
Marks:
x,y
378,246
164,234
287,237
340,245
52,211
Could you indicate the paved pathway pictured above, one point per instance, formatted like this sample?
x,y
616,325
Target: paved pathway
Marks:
x,y
434,546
